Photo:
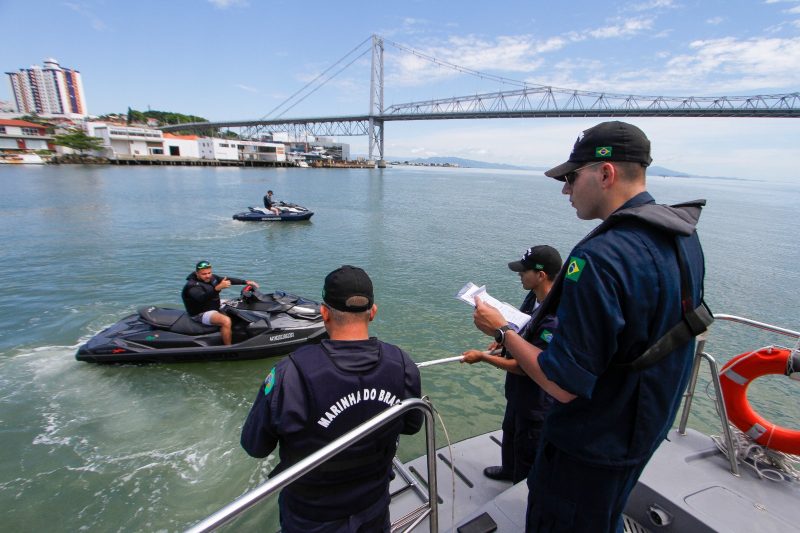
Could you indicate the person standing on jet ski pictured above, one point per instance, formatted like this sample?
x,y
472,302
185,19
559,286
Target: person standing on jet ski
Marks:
x,y
269,204
201,297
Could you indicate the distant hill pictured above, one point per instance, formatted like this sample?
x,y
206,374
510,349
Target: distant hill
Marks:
x,y
655,170
470,163
467,163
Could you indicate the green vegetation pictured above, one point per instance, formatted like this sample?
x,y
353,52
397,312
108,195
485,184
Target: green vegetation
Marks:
x,y
164,118
77,139
228,134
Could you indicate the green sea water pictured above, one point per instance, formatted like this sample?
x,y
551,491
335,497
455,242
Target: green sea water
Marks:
x,y
156,448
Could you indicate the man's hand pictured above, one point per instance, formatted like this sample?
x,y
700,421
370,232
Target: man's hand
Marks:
x,y
472,356
487,318
224,284
253,283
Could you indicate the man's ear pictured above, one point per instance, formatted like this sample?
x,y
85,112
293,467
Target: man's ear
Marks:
x,y
610,175
373,312
324,312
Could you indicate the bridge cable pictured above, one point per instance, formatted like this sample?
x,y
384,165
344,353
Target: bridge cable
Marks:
x,y
318,87
359,45
464,70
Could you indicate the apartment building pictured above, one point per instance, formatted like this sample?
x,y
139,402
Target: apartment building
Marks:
x,y
48,91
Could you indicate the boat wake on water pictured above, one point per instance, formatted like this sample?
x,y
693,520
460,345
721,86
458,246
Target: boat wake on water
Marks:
x,y
110,430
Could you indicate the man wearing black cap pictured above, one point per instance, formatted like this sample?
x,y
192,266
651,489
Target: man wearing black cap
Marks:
x,y
319,393
526,403
201,298
635,279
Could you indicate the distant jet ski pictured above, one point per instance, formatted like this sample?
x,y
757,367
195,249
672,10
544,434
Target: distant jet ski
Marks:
x,y
288,212
264,325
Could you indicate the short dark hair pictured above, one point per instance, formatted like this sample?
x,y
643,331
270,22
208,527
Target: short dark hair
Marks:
x,y
629,170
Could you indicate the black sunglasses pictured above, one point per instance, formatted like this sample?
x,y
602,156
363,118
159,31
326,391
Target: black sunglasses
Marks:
x,y
570,177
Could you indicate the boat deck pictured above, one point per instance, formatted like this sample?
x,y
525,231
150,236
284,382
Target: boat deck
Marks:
x,y
465,486
688,483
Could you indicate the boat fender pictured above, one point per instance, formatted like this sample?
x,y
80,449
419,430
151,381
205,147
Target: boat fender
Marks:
x,y
736,376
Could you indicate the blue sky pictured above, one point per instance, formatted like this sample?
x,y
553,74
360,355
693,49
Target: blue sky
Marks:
x,y
236,59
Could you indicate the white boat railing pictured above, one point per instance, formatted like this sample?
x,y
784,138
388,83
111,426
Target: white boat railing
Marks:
x,y
428,509
730,442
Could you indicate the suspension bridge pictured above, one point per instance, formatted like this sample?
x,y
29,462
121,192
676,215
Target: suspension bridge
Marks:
x,y
525,101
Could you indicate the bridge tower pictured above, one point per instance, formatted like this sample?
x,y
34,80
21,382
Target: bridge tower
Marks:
x,y
376,102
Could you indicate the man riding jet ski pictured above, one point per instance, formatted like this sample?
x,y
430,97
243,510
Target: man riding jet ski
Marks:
x,y
262,325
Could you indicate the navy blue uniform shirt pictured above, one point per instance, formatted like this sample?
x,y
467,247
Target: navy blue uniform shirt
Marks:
x,y
621,292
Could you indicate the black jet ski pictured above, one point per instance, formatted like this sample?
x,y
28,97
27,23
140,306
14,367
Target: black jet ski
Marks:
x,y
288,212
264,325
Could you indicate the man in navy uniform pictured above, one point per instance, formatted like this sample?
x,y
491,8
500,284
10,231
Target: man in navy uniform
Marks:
x,y
636,279
322,391
526,403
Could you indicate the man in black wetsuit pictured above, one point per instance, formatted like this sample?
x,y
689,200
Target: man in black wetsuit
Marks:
x,y
269,205
201,297
321,392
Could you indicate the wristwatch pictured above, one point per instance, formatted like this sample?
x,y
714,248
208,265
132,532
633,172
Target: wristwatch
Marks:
x,y
500,334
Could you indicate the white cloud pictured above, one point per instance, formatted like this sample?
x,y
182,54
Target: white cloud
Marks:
x,y
247,88
626,28
714,67
96,22
225,4
714,21
653,4
765,62
520,53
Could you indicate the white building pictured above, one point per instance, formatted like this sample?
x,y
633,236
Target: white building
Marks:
x,y
181,145
51,91
17,136
221,149
240,150
127,140
261,151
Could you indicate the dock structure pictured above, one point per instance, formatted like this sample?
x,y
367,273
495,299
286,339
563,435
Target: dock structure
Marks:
x,y
123,159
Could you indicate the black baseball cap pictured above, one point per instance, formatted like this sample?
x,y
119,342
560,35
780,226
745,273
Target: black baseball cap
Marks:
x,y
348,289
542,257
608,141
202,265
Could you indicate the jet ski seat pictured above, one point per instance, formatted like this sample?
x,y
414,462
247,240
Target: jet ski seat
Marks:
x,y
174,320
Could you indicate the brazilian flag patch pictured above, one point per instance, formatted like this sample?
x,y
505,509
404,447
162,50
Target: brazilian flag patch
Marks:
x,y
269,382
546,336
602,151
575,268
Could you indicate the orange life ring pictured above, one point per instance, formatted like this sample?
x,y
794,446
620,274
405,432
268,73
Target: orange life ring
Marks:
x,y
736,376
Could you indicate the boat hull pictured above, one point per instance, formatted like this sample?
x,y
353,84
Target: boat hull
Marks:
x,y
262,217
